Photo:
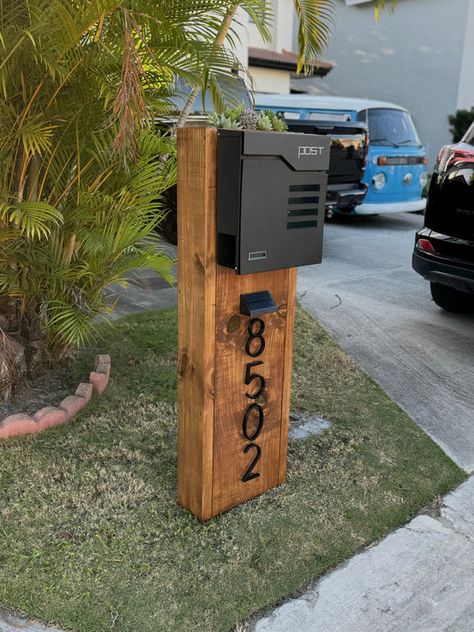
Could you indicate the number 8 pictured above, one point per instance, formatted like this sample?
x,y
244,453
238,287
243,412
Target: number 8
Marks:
x,y
255,335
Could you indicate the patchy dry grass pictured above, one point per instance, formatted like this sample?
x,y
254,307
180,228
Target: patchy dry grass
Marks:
x,y
92,538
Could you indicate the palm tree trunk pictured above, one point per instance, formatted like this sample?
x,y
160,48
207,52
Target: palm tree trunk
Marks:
x,y
220,38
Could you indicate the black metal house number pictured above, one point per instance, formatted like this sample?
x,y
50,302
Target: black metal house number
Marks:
x,y
254,417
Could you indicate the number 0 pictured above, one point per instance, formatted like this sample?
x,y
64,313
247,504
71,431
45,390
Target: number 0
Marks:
x,y
258,428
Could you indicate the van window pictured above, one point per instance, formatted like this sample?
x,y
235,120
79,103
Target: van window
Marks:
x,y
390,127
329,116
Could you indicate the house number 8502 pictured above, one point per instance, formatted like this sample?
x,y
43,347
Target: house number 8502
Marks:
x,y
254,417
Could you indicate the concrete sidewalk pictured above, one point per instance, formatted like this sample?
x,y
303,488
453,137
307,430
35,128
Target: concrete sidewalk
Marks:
x,y
10,622
145,290
418,579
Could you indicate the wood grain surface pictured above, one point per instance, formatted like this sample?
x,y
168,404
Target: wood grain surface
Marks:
x,y
196,316
230,399
212,358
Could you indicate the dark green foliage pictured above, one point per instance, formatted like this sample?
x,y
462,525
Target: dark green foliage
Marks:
x,y
460,123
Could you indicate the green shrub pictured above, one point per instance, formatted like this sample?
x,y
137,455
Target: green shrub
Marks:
x,y
83,168
460,123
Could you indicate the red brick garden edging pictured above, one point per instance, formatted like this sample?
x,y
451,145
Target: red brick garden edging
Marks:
x,y
22,423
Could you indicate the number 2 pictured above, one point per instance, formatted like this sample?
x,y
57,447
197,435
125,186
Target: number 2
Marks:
x,y
249,474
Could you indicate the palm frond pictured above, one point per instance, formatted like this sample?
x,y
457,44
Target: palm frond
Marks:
x,y
33,219
73,217
381,5
315,20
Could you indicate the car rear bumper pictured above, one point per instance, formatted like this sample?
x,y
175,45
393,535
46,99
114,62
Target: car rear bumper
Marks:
x,y
345,197
434,269
371,208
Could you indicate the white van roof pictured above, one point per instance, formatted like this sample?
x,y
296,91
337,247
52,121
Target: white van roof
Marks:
x,y
320,102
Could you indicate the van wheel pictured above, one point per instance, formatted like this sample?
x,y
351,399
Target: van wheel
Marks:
x,y
452,300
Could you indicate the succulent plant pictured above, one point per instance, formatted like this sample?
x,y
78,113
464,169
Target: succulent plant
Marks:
x,y
278,124
234,113
240,118
214,119
264,123
222,121
248,119
228,123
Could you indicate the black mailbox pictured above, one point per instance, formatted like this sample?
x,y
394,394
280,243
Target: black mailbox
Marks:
x,y
271,191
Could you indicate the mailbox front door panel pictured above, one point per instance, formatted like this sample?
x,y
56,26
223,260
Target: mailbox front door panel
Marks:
x,y
241,472
282,216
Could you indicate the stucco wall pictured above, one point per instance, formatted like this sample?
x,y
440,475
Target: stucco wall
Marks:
x,y
270,80
241,41
283,24
412,57
466,82
281,27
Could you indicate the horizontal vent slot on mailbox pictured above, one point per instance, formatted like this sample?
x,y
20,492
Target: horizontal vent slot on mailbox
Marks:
x,y
307,224
303,200
299,212
304,187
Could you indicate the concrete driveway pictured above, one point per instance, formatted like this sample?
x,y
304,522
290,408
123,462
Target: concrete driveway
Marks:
x,y
381,312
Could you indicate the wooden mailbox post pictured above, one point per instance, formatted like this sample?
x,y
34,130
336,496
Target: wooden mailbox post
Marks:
x,y
234,371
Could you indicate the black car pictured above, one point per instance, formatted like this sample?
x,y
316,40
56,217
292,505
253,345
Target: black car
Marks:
x,y
444,248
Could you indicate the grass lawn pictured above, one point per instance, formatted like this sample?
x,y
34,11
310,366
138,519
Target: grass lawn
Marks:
x,y
92,538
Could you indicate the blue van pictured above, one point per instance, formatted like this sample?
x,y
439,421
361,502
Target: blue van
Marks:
x,y
395,172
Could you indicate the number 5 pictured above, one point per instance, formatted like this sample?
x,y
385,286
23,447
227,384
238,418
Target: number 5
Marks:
x,y
250,377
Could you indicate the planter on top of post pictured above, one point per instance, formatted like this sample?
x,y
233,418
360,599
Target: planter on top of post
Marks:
x,y
250,210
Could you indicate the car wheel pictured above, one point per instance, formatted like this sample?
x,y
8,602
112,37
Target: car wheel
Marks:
x,y
452,300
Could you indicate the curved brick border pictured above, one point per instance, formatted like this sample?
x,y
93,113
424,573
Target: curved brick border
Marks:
x,y
22,423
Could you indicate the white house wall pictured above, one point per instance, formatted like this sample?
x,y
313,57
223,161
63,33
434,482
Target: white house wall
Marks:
x,y
240,27
270,80
283,24
466,80
281,27
412,57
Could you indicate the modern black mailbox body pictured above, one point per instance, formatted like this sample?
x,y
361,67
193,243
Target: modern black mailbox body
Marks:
x,y
271,191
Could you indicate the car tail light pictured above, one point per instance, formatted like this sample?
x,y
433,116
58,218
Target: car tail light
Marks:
x,y
425,245
366,150
450,156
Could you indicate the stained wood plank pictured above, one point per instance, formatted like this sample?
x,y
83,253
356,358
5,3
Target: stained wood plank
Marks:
x,y
230,462
196,316
212,359
287,372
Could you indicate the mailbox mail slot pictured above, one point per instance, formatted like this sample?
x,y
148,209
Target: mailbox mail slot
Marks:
x,y
271,191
